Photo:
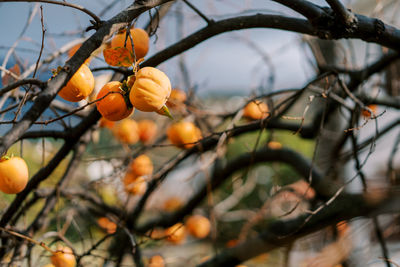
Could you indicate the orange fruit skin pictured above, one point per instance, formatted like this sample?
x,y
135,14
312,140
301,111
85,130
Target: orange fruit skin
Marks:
x,y
104,123
63,257
73,50
142,165
176,98
176,234
156,261
255,110
147,130
274,145
198,226
183,134
367,114
140,42
173,204
127,131
135,185
108,225
113,106
79,86
13,175
150,90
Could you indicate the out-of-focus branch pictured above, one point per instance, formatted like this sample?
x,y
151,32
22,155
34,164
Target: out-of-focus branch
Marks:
x,y
282,232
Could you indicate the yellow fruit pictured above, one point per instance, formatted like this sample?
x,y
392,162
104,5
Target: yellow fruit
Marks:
x,y
127,131
177,98
142,165
151,90
176,234
13,175
147,130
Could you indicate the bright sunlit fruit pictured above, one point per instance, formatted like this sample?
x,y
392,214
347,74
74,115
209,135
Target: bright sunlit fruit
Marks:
x,y
79,86
256,110
63,257
183,134
13,175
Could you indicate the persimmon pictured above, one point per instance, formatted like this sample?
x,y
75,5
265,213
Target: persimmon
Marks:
x,y
79,86
274,145
135,185
107,225
127,131
63,257
141,165
255,110
73,50
177,98
150,90
183,134
13,175
114,103
147,130
198,226
156,261
104,123
117,54
367,114
172,204
176,234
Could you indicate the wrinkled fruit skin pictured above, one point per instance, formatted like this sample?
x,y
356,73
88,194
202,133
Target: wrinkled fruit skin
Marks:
x,y
151,89
13,175
256,110
79,86
127,131
63,257
113,106
183,134
198,226
140,41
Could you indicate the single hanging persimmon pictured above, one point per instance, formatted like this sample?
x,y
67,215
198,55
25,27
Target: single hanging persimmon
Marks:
x,y
176,234
176,99
367,114
198,226
63,257
183,134
141,165
256,110
117,54
127,131
135,185
13,175
107,225
113,102
156,261
147,130
79,86
150,90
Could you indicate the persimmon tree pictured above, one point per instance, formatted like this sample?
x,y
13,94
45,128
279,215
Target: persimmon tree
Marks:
x,y
277,170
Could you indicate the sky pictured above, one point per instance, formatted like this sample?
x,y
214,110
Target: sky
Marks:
x,y
225,64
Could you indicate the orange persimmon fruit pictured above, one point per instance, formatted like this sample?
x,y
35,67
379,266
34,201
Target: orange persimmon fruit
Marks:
x,y
107,225
13,175
63,257
104,123
172,204
147,130
141,165
274,145
112,102
198,226
156,261
150,90
117,54
79,86
126,131
255,110
367,114
176,99
176,234
183,134
135,185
